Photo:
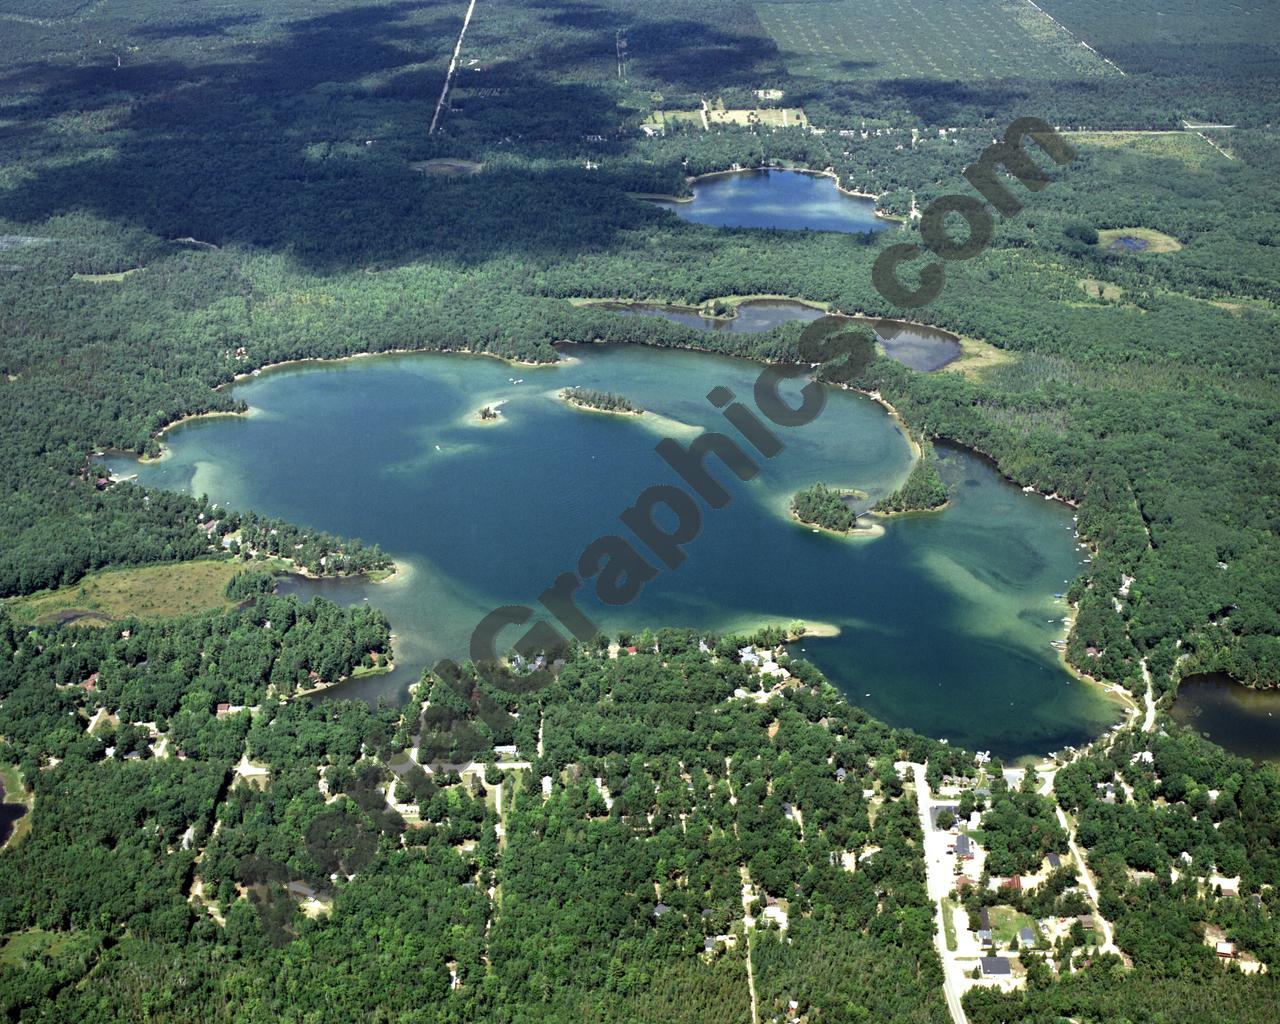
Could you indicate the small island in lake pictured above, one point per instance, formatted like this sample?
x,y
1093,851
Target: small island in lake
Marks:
x,y
600,401
824,506
923,490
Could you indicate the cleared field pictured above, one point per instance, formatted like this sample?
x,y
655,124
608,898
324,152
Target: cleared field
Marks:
x,y
1189,147
976,356
966,39
1143,241
44,8
1147,34
107,278
446,168
152,592
1101,289
772,117
775,117
670,118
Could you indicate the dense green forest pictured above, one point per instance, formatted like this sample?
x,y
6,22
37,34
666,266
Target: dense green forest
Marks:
x,y
602,401
823,506
251,863
923,489
189,193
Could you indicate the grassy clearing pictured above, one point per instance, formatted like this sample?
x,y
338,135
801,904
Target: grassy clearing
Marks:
x,y
107,278
1156,241
1101,289
447,168
924,39
30,945
949,923
977,356
154,591
1187,147
662,118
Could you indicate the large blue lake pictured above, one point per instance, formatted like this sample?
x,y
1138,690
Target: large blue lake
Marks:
x,y
945,620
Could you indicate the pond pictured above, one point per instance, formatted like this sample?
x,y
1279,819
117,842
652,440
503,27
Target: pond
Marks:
x,y
10,814
786,200
918,346
945,620
1127,243
1243,720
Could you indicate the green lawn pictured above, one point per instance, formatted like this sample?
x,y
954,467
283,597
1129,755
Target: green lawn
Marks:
x,y
1006,923
949,922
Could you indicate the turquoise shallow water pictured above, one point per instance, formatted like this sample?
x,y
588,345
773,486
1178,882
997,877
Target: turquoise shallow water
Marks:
x,y
945,618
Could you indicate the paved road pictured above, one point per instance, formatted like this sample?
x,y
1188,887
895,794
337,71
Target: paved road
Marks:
x,y
1148,723
939,874
1086,879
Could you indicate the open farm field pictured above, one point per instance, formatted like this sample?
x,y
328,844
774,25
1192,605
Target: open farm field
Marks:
x,y
769,117
1191,149
148,592
1168,36
925,39
44,9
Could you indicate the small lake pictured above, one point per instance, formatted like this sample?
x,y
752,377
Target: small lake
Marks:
x,y
915,345
786,200
945,620
10,814
1243,720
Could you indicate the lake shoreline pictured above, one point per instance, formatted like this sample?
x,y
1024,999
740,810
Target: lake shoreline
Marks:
x,y
734,303
15,794
569,399
1242,718
887,406
181,421
305,360
854,533
823,173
